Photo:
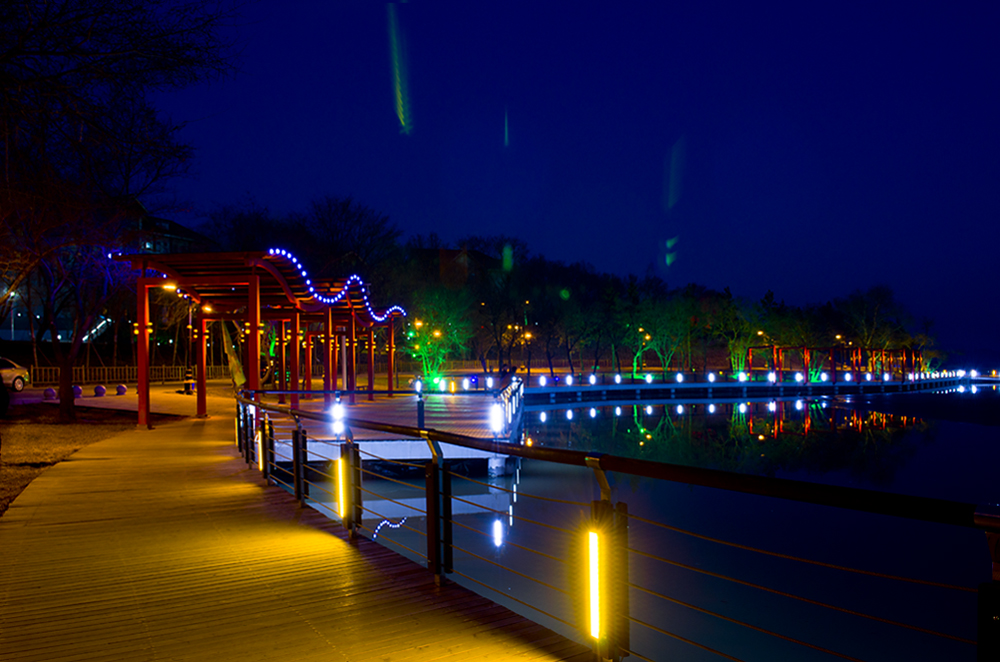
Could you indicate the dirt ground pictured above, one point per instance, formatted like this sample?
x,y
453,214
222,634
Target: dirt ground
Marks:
x,y
32,439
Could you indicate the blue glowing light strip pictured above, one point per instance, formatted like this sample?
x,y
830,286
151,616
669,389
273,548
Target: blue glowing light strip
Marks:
x,y
342,293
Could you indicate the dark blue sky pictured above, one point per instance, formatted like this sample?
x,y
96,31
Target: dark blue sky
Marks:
x,y
812,151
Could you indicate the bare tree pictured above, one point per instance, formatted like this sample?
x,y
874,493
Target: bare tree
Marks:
x,y
81,142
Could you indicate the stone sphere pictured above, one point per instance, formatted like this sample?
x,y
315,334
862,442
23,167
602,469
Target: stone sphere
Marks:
x,y
99,391
77,391
122,389
49,394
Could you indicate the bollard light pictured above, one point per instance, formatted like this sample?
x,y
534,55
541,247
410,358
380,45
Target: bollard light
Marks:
x,y
824,377
680,409
594,564
618,411
260,450
886,377
711,409
649,378
569,414
618,379
799,377
847,377
680,378
743,408
497,533
542,381
711,377
798,405
772,377
593,413
772,406
496,418
742,376
569,380
418,386
341,489
489,382
465,384
592,379
868,376
543,417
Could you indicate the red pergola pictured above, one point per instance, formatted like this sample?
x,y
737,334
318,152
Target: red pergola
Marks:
x,y
259,288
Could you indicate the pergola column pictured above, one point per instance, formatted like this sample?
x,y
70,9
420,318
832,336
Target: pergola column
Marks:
x,y
352,372
200,326
282,348
142,348
390,330
307,352
329,379
371,363
253,336
294,357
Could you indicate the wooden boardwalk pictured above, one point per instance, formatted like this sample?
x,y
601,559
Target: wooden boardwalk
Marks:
x,y
161,545
461,414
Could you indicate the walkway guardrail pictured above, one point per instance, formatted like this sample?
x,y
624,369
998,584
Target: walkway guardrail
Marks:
x,y
623,580
49,375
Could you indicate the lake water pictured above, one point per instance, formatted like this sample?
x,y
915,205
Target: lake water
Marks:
x,y
880,443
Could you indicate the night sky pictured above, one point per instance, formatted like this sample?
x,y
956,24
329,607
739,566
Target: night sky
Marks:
x,y
810,151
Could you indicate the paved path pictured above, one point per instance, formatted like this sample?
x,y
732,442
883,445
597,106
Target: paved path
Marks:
x,y
161,545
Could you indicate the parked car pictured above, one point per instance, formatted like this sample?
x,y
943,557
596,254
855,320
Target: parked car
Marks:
x,y
14,376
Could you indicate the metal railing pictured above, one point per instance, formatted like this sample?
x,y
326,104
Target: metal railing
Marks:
x,y
49,375
431,511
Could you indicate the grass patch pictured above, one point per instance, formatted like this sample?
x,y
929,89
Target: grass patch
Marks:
x,y
32,439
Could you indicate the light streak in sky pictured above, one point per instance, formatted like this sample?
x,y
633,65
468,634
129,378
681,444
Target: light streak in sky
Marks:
x,y
399,75
506,133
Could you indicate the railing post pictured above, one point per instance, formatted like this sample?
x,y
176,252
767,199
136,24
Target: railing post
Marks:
x,y
420,410
447,560
356,485
267,448
607,599
298,445
988,620
620,579
239,426
348,487
431,477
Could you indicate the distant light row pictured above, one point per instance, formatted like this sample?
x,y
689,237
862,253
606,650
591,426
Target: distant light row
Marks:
x,y
743,408
772,377
328,300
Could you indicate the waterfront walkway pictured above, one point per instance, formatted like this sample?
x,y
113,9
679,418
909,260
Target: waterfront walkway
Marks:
x,y
161,545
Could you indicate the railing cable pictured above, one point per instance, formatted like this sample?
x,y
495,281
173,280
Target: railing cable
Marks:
x,y
800,598
802,560
746,625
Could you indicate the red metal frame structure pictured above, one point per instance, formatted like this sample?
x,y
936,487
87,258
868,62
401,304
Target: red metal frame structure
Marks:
x,y
892,360
256,289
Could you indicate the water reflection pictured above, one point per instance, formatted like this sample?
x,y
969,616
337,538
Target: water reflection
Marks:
x,y
764,437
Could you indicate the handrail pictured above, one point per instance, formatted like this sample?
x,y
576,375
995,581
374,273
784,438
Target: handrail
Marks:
x,y
925,509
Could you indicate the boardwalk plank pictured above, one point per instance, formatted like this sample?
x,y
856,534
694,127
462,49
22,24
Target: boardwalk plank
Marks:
x,y
162,544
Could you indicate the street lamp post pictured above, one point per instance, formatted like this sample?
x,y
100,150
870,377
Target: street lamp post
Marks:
x,y
188,374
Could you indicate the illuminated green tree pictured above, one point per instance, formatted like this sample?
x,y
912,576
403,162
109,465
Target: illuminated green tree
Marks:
x,y
736,322
439,326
